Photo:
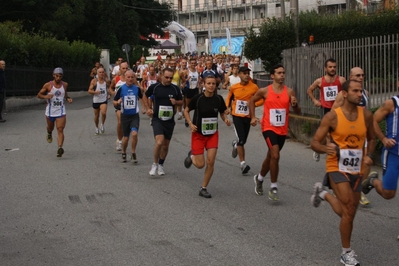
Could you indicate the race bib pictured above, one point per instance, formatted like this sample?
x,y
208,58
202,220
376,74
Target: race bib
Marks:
x,y
102,91
330,93
165,112
277,117
56,102
242,107
129,102
209,125
350,160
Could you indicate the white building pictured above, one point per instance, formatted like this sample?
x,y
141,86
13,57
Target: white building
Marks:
x,y
199,16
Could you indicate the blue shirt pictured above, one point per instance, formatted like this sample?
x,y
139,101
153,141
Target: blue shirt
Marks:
x,y
130,96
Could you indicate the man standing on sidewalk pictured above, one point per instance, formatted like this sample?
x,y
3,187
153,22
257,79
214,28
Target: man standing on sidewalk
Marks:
x,y
2,88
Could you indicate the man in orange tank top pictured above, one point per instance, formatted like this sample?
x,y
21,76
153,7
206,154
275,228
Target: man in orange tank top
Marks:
x,y
329,85
277,101
349,126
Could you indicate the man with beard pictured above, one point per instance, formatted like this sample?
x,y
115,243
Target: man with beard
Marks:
x,y
330,85
349,126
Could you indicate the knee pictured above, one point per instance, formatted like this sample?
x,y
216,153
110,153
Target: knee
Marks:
x,y
275,156
241,142
388,194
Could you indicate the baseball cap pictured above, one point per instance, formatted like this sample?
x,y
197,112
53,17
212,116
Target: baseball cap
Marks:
x,y
243,68
58,70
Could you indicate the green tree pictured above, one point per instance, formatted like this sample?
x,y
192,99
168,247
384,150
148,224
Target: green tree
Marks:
x,y
274,36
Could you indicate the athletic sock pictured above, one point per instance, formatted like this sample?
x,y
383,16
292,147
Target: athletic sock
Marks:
x,y
346,250
260,177
323,194
161,161
273,185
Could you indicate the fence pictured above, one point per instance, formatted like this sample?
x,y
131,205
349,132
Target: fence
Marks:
x,y
28,81
377,56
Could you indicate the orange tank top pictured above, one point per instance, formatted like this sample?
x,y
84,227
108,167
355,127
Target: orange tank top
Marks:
x,y
275,111
350,138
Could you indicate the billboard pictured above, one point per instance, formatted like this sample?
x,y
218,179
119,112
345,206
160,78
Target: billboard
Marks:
x,y
220,45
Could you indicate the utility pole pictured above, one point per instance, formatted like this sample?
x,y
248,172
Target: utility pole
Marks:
x,y
282,6
295,12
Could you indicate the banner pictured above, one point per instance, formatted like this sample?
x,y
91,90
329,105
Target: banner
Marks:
x,y
220,45
183,33
228,40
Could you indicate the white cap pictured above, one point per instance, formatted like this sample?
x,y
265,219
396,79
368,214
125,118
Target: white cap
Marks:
x,y
58,70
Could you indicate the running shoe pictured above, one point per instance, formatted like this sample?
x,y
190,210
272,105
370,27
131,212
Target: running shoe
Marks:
x,y
204,193
245,168
188,162
273,194
118,145
49,137
154,168
366,184
60,152
258,186
133,158
124,158
348,259
363,199
234,151
316,156
160,170
97,131
102,129
315,198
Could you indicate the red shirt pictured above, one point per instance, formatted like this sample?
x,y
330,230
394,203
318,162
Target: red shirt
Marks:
x,y
329,91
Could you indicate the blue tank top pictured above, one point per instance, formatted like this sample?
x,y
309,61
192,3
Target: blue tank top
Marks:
x,y
392,126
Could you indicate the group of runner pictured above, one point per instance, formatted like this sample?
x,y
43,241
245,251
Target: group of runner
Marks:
x,y
345,129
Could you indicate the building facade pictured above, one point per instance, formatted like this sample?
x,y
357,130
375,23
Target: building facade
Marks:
x,y
214,16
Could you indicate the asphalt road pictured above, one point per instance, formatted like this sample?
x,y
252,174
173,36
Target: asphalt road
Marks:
x,y
89,208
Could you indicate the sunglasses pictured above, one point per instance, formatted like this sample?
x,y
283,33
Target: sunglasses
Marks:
x,y
359,75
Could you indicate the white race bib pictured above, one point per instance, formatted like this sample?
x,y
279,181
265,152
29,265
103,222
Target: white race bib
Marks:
x,y
165,112
242,107
209,125
330,93
129,102
350,160
277,117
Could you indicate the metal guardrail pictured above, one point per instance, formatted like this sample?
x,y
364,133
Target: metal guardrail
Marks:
x,y
23,81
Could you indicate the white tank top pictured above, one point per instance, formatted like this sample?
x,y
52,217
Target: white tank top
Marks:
x,y
102,97
151,80
234,80
194,79
56,105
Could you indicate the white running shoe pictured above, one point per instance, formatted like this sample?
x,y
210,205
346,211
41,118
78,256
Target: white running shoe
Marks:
x,y
118,145
348,259
97,132
160,170
316,156
102,129
315,198
154,168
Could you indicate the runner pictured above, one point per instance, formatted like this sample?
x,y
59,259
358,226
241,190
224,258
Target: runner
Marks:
x,y
232,79
357,74
55,92
141,69
204,130
166,96
116,83
177,79
151,78
238,98
330,85
349,126
388,111
98,88
127,98
277,101
191,88
208,71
